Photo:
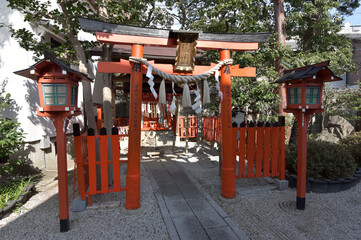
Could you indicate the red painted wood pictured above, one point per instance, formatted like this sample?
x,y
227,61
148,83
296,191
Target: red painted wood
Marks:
x,y
275,150
79,166
116,166
267,151
250,151
133,174
104,162
192,130
92,165
242,153
172,42
124,67
302,153
281,162
259,150
235,149
62,166
228,176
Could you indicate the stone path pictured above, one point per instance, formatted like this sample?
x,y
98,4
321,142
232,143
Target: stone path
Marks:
x,y
188,211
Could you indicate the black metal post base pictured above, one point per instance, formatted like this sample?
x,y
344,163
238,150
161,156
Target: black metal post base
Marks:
x,y
64,225
301,203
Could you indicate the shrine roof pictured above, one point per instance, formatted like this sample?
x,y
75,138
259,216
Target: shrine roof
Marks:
x,y
307,72
89,25
48,56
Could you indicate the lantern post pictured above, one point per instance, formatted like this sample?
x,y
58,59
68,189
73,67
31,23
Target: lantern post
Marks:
x,y
304,98
58,95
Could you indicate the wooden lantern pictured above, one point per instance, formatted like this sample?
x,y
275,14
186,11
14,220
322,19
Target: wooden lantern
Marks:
x,y
304,98
304,86
58,95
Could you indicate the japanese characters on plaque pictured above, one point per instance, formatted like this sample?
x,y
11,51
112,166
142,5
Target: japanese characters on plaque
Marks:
x,y
135,123
186,51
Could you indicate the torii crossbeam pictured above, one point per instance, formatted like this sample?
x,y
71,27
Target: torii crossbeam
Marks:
x,y
139,37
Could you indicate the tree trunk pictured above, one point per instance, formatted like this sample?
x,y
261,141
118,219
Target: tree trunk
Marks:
x,y
279,17
83,68
107,90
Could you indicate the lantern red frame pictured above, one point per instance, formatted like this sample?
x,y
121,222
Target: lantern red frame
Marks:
x,y
308,76
52,71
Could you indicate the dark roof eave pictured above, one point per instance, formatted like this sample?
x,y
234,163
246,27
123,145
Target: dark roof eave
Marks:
x,y
47,55
89,25
306,72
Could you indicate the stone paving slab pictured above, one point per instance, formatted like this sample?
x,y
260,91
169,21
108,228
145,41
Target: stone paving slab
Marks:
x,y
221,233
193,215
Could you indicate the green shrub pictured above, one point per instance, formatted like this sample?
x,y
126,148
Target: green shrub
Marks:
x,y
324,160
11,190
11,135
353,144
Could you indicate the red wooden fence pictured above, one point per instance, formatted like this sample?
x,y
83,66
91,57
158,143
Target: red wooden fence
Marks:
x,y
192,130
121,122
259,150
212,129
86,162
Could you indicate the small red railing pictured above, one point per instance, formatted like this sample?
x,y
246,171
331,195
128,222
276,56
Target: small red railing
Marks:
x,y
212,129
121,122
87,164
259,150
192,129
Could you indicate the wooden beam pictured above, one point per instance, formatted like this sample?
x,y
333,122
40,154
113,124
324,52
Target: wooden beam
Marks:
x,y
232,46
89,25
130,39
172,42
124,67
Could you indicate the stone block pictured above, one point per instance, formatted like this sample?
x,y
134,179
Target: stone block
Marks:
x,y
281,184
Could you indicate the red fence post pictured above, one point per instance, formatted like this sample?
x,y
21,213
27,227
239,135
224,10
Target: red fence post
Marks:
x,y
275,149
259,148
242,150
92,163
267,149
282,122
104,160
116,166
250,149
79,160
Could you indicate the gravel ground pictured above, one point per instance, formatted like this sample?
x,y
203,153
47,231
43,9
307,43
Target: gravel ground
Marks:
x,y
262,211
38,218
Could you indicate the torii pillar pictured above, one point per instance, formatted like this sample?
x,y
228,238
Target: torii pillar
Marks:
x,y
228,164
133,172
136,36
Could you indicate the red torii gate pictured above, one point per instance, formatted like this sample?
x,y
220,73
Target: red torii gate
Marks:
x,y
138,37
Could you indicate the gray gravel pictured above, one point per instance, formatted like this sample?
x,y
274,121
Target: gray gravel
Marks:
x,y
38,218
264,212
260,210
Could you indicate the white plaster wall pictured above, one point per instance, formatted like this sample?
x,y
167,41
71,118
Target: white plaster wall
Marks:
x,y
24,91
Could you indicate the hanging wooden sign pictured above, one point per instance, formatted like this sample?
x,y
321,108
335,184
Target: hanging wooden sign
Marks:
x,y
186,50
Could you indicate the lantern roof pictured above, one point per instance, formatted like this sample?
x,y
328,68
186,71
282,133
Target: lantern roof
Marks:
x,y
308,72
44,62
